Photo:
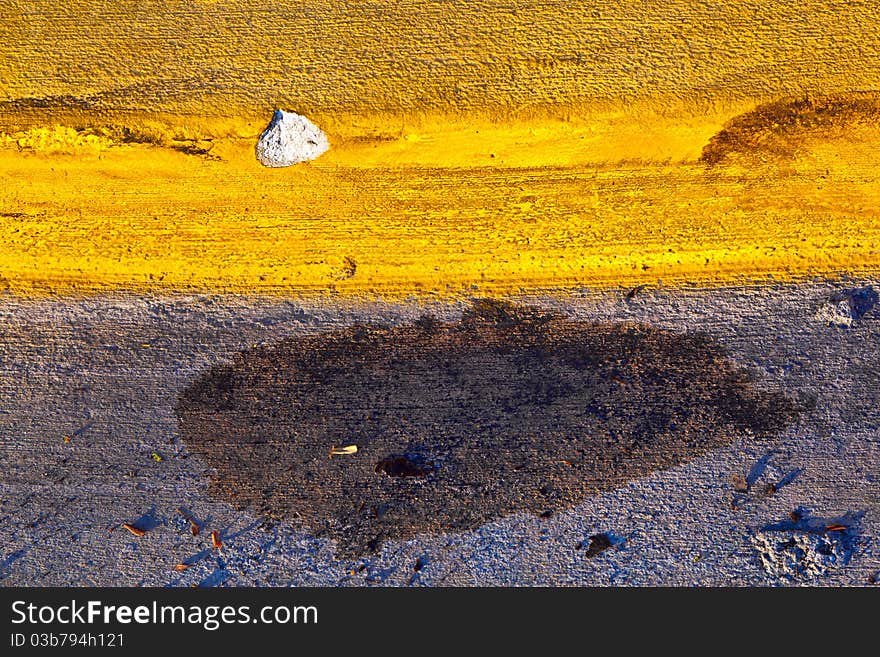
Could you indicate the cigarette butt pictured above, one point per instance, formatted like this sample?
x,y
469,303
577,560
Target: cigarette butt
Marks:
x,y
343,451
137,531
215,539
181,567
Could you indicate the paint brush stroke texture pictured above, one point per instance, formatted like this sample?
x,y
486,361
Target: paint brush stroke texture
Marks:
x,y
420,55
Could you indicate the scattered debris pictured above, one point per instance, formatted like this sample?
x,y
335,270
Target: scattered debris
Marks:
x,y
774,477
421,562
796,515
182,566
342,451
289,139
215,540
836,528
67,440
137,531
156,457
546,514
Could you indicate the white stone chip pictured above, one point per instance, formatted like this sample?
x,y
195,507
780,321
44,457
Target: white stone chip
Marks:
x,y
846,308
288,139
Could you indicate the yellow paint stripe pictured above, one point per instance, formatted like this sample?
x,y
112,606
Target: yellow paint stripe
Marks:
x,y
540,215
477,147
190,57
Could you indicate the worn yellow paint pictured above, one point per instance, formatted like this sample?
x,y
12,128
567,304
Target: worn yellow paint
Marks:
x,y
187,57
475,149
141,217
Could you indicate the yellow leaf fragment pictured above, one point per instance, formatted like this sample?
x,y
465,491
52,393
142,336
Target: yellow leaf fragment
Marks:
x,y
343,451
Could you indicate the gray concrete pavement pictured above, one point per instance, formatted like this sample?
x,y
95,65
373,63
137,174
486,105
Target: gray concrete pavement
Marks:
x,y
106,371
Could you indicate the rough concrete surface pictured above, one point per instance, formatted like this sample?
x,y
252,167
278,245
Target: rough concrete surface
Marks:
x,y
90,440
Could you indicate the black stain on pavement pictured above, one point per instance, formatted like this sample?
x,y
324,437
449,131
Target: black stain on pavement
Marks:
x,y
595,545
511,409
780,129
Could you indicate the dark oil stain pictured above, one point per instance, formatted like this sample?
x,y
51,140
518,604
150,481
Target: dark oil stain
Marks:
x,y
403,466
596,544
776,130
511,409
